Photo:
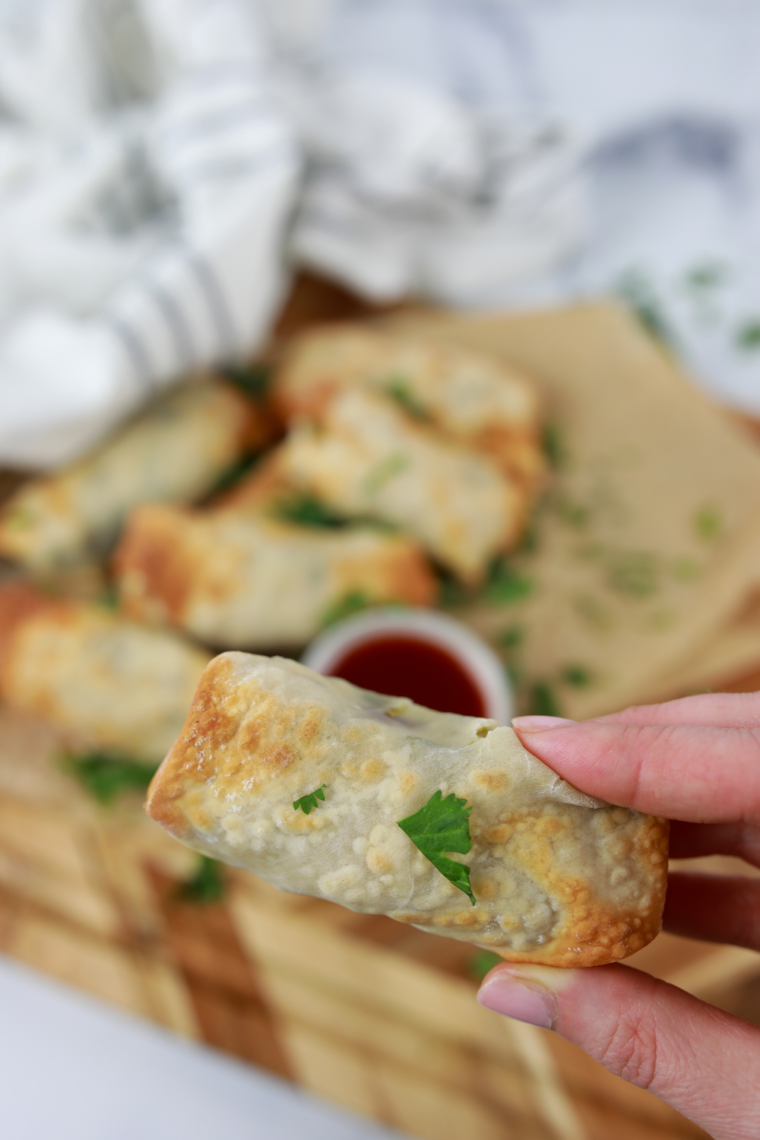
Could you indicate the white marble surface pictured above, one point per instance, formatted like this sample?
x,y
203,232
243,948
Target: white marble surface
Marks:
x,y
74,1069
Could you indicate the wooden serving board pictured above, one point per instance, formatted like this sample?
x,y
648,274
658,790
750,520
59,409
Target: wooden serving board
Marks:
x,y
358,1009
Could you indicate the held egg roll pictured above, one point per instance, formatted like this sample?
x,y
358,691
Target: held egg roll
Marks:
x,y
367,458
248,580
106,683
174,452
328,790
472,397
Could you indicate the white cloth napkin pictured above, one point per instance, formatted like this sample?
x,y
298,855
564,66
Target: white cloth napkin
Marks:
x,y
145,186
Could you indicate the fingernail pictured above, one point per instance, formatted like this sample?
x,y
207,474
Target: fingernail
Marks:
x,y
504,993
536,723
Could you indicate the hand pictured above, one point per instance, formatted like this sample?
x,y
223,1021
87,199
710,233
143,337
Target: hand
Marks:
x,y
696,761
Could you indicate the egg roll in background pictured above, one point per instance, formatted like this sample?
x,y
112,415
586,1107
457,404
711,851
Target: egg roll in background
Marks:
x,y
557,876
174,452
485,402
103,681
368,458
244,579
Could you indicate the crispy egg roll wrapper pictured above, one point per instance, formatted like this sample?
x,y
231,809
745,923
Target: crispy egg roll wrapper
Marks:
x,y
105,682
367,458
246,580
473,397
174,452
559,878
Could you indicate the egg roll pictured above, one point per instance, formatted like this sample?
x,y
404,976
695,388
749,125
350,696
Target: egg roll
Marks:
x,y
484,402
367,458
105,682
174,452
556,877
243,579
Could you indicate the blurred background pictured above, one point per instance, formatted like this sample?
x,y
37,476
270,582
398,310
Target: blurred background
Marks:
x,y
522,234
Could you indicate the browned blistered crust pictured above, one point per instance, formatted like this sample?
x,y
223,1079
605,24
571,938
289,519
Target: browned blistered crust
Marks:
x,y
19,603
241,740
166,552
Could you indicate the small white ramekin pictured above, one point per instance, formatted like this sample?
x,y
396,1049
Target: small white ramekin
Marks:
x,y
472,653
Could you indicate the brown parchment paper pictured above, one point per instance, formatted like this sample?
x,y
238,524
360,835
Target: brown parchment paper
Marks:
x,y
647,543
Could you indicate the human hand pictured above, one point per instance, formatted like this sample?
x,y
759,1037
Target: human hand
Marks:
x,y
696,761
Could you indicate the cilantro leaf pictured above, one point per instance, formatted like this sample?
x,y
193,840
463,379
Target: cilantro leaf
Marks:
x,y
481,963
309,801
306,510
399,390
543,701
253,379
505,585
351,603
443,825
106,777
708,523
207,885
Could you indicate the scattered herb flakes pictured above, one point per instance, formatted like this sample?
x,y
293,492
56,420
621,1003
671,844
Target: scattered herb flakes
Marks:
x,y
554,445
661,620
481,963
591,551
309,801
708,524
108,597
748,335
686,569
233,475
706,275
512,637
633,572
106,777
572,514
576,675
400,390
514,675
593,612
306,510
451,592
386,470
639,294
505,585
543,701
349,604
253,379
443,825
207,885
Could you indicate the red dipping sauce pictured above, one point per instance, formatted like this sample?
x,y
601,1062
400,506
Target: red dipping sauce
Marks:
x,y
410,667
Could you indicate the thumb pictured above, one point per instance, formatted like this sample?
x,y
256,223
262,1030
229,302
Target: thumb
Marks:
x,y
703,1062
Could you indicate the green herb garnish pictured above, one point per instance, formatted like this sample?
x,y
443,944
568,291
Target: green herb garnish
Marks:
x,y
253,379
638,292
572,514
309,801
386,470
543,701
632,572
400,391
305,510
685,569
708,524
106,776
506,585
207,885
512,637
349,604
706,276
576,675
554,446
233,475
481,963
748,335
443,825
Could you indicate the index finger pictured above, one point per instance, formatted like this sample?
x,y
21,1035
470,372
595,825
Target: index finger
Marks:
x,y
701,774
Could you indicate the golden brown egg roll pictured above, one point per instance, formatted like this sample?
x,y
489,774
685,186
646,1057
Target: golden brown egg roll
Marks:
x,y
105,682
477,399
174,452
234,578
404,804
367,458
